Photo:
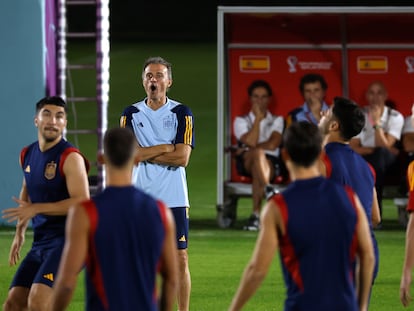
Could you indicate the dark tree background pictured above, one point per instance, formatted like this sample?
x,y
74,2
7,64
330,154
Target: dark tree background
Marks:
x,y
180,20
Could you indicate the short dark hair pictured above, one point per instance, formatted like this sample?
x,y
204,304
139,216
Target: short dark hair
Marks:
x,y
119,146
259,83
303,142
158,60
312,78
51,100
350,117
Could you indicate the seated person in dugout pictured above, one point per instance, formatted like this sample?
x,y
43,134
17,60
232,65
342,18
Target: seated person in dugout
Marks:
x,y
382,130
313,87
407,136
259,135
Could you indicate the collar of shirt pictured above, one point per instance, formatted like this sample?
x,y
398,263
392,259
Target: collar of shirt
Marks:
x,y
305,106
309,115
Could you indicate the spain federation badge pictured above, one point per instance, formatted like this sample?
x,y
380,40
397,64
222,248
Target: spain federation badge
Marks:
x,y
50,171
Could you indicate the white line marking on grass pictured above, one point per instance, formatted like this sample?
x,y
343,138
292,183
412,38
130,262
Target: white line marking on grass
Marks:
x,y
12,232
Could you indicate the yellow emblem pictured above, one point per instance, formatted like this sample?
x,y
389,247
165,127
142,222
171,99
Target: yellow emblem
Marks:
x,y
48,276
182,239
50,171
27,169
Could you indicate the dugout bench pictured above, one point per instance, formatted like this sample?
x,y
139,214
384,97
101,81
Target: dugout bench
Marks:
x,y
349,46
238,187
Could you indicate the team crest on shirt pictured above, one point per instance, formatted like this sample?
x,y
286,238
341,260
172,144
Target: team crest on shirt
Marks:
x,y
168,122
50,171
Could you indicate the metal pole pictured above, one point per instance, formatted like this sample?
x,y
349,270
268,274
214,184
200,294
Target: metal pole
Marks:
x,y
220,104
344,54
61,85
102,77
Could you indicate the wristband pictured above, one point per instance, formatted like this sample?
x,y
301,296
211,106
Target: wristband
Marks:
x,y
377,126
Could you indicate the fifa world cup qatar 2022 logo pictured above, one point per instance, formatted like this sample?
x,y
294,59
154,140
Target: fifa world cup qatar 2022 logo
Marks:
x,y
409,61
312,64
292,61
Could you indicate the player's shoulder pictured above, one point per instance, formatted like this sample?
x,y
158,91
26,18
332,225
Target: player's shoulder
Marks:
x,y
242,117
25,150
73,155
67,148
133,108
178,107
277,118
30,146
396,114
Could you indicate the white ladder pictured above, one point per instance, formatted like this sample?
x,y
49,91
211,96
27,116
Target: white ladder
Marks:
x,y
101,39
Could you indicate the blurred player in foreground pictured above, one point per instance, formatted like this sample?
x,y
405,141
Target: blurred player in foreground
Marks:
x,y
124,236
406,280
319,227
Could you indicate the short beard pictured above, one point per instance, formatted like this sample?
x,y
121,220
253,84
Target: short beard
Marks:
x,y
51,139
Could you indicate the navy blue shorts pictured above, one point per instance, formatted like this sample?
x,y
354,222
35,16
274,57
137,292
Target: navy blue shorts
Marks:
x,y
39,266
277,163
181,216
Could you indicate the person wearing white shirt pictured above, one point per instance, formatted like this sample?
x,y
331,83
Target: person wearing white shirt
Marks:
x,y
376,142
259,135
407,136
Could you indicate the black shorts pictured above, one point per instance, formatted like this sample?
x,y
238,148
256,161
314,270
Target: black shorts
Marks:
x,y
277,164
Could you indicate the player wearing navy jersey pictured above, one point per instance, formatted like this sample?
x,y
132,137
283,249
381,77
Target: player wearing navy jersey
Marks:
x,y
406,278
318,243
55,177
124,236
164,130
344,120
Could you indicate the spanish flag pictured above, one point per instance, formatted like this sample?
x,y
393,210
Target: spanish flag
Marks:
x,y
372,64
256,63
